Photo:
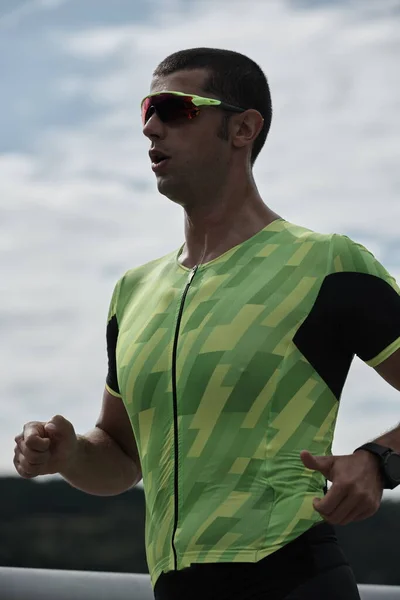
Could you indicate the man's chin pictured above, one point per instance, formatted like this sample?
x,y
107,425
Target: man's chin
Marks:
x,y
167,189
164,185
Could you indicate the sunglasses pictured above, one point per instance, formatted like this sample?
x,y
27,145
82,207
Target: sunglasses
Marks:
x,y
171,106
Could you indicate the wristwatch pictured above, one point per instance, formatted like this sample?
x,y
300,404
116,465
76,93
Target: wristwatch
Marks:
x,y
389,463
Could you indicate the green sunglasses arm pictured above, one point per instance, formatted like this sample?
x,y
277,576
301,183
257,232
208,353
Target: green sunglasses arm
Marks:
x,y
200,101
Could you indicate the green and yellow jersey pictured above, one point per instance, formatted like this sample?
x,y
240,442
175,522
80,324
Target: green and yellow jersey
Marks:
x,y
228,371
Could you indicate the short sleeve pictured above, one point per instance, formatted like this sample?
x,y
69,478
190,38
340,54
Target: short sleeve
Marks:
x,y
371,298
112,338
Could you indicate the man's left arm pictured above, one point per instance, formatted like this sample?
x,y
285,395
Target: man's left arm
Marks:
x,y
373,318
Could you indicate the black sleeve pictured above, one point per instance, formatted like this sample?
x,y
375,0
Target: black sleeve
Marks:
x,y
112,337
354,313
373,314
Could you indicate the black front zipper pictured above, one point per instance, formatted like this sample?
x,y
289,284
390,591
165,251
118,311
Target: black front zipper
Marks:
x,y
175,405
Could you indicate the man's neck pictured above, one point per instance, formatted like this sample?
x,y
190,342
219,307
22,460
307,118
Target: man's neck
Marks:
x,y
213,230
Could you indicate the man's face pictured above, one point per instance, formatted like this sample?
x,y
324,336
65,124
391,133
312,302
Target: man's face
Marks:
x,y
198,154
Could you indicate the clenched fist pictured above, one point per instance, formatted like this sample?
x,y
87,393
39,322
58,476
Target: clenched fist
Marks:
x,y
44,448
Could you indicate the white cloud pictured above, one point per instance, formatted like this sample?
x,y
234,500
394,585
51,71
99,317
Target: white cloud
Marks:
x,y
84,207
25,9
99,43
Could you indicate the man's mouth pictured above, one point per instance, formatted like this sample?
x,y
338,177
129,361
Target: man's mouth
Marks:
x,y
157,156
160,163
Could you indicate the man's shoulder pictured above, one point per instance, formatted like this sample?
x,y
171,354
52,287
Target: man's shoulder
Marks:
x,y
342,252
299,233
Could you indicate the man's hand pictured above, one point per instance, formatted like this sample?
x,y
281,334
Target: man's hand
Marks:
x,y
44,448
356,490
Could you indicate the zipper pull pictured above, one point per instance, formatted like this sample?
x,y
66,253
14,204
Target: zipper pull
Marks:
x,y
192,273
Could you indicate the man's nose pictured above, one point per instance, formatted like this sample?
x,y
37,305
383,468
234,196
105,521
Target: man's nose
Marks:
x,y
154,127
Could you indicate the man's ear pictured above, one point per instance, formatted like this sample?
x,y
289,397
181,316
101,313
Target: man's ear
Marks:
x,y
246,128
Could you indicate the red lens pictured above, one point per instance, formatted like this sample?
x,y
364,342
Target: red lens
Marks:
x,y
169,107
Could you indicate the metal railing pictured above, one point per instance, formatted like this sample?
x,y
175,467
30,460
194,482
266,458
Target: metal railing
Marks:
x,y
47,584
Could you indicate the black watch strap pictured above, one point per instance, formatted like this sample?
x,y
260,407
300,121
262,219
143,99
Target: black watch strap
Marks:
x,y
381,452
375,449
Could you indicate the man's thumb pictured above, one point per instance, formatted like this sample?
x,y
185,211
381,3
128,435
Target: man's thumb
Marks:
x,y
323,464
57,427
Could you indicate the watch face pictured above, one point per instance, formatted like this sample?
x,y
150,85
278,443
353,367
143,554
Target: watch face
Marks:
x,y
393,466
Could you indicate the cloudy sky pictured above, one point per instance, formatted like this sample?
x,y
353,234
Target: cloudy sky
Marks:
x,y
78,201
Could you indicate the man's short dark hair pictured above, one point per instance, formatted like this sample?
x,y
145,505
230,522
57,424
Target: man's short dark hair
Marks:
x,y
233,78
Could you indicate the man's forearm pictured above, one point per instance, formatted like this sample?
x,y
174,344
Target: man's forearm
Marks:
x,y
100,467
391,439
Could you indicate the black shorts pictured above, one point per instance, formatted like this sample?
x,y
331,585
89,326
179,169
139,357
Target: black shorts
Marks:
x,y
311,567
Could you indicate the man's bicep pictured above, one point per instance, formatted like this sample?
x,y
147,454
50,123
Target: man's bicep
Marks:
x,y
369,301
374,320
114,420
389,369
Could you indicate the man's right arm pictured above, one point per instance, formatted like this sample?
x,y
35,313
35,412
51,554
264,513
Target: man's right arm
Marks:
x,y
106,460
103,462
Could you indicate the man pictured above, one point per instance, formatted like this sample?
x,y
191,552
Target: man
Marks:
x,y
227,359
